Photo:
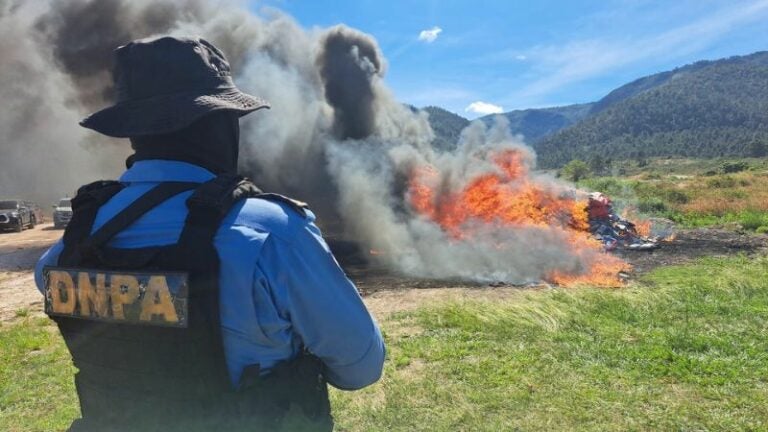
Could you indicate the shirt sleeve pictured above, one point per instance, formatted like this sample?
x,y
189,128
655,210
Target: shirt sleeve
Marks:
x,y
49,258
324,308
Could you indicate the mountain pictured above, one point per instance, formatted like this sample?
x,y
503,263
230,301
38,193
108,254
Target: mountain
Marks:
x,y
446,125
535,124
643,84
707,109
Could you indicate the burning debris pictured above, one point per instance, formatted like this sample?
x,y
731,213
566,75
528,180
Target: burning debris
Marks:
x,y
615,231
508,198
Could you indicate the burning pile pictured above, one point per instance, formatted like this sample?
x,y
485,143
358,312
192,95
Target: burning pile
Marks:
x,y
510,198
615,231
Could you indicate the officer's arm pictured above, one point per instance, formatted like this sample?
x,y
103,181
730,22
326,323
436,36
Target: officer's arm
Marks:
x,y
325,309
49,258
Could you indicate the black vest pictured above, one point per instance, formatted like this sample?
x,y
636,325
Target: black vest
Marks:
x,y
136,376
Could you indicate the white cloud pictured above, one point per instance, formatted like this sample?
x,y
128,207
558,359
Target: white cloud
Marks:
x,y
430,35
521,57
484,108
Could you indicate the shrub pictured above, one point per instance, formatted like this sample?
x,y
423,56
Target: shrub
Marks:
x,y
722,182
737,194
575,170
692,220
652,176
733,167
752,220
651,205
675,196
762,229
610,186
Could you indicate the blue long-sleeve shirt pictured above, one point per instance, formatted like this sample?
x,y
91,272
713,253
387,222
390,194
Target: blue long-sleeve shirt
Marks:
x,y
281,288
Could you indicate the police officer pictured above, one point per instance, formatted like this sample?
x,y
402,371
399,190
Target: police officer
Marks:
x,y
188,298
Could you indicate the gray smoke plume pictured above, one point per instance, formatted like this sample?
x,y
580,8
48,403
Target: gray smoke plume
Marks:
x,y
348,61
418,246
82,35
335,135
43,153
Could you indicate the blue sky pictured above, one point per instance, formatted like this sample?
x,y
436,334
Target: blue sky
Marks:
x,y
473,57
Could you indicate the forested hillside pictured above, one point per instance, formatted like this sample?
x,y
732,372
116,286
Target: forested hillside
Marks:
x,y
446,125
709,109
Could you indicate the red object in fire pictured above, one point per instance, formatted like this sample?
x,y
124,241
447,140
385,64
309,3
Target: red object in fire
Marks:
x,y
600,206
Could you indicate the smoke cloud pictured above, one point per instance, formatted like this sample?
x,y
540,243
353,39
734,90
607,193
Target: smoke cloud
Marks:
x,y
348,61
43,153
83,34
335,136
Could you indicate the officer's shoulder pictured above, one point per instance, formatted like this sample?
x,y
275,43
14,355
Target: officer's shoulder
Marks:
x,y
273,213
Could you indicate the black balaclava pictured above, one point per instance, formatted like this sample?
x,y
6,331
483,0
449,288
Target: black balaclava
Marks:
x,y
211,142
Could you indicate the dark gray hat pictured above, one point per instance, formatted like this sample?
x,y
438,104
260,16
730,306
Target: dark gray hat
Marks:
x,y
165,84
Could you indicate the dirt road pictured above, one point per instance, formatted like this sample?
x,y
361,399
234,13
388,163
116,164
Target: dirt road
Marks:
x,y
18,254
384,291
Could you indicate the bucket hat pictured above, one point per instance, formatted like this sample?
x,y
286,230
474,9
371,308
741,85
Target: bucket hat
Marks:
x,y
165,84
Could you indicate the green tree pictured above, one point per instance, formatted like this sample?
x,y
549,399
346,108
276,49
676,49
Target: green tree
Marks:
x,y
757,149
575,170
642,162
733,167
598,164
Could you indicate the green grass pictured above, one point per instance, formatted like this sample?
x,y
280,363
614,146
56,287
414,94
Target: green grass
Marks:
x,y
36,388
692,201
685,166
684,349
749,220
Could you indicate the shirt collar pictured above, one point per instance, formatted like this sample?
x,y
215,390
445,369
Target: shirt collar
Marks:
x,y
165,170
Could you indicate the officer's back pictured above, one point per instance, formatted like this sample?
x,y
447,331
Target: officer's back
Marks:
x,y
227,303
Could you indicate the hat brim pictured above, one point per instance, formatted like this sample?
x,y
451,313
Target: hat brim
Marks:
x,y
168,113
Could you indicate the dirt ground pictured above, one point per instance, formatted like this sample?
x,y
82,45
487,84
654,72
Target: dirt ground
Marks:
x,y
18,254
384,291
696,243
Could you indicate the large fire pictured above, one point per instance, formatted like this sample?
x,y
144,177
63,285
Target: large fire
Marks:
x,y
510,197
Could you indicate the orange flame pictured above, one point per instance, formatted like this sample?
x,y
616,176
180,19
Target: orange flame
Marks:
x,y
510,197
643,226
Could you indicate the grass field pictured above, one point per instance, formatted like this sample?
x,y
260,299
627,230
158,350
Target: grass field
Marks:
x,y
684,349
694,193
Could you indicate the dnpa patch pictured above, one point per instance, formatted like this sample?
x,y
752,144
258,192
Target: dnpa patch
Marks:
x,y
156,298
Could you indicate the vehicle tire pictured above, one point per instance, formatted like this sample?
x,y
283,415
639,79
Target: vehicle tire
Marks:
x,y
19,226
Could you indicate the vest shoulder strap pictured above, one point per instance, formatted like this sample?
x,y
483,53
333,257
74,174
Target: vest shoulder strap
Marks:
x,y
85,206
218,195
221,193
136,209
299,206
208,206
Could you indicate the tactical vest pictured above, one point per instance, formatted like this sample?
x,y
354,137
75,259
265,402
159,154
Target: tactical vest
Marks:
x,y
144,330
